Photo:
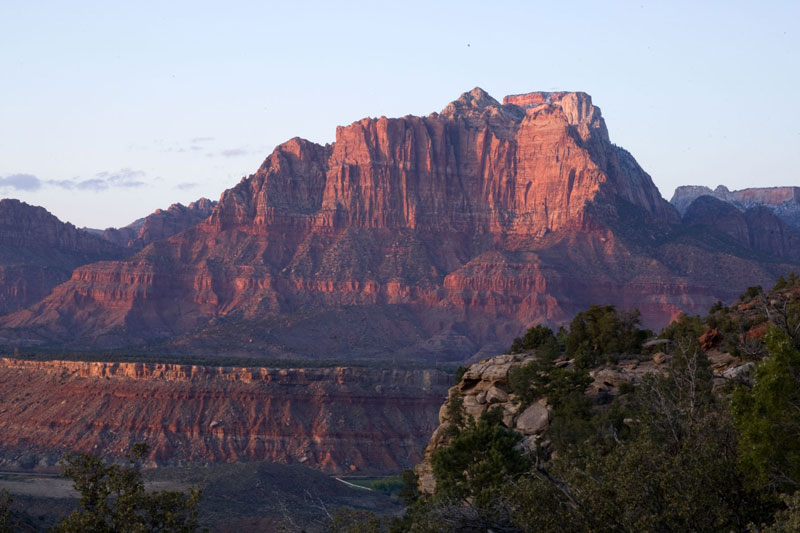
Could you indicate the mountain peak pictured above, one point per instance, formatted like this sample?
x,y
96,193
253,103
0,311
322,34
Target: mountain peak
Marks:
x,y
475,100
487,213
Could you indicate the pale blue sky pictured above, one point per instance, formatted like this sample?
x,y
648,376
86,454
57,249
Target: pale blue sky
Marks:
x,y
109,110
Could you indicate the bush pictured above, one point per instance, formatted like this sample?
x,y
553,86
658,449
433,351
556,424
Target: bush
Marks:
x,y
536,338
478,460
601,331
685,327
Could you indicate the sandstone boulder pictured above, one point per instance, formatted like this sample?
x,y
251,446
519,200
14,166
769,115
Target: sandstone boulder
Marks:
x,y
533,420
660,358
495,395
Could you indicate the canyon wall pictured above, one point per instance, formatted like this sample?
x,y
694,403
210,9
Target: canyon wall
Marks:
x,y
340,419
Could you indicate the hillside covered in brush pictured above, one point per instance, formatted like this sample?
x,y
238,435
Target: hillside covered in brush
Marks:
x,y
594,428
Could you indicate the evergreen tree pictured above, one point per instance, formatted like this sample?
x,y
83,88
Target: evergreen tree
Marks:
x,y
768,418
113,498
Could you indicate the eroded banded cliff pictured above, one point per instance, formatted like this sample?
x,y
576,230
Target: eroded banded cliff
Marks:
x,y
335,419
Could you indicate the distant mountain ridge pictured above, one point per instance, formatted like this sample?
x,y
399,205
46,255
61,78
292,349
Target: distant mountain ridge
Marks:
x,y
438,237
783,201
38,251
160,224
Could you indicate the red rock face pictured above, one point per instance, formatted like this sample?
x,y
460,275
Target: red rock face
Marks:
x,y
335,419
160,224
409,237
38,251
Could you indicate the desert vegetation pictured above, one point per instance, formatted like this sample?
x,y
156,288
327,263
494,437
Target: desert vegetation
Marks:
x,y
680,451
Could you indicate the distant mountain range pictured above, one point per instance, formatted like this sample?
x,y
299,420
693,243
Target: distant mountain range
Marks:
x,y
38,251
438,237
159,225
783,201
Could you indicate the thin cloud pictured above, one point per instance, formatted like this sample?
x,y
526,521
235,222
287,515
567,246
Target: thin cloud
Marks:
x,y
21,182
122,178
234,152
92,185
63,184
187,185
125,178
196,140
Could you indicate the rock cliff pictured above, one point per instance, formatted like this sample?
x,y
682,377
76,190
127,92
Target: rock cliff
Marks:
x,y
432,237
38,251
335,419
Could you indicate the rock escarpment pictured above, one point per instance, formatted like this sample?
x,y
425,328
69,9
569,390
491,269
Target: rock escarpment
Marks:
x,y
335,419
485,385
38,251
432,237
159,225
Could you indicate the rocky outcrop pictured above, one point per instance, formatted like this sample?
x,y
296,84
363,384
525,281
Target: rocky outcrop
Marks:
x,y
336,419
485,385
38,251
782,201
431,237
160,224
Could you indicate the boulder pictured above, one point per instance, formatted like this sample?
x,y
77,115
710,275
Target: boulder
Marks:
x,y
660,358
533,420
495,395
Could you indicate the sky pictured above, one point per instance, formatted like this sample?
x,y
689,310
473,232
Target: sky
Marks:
x,y
110,110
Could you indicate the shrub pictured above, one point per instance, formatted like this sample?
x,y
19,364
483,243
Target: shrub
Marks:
x,y
478,460
601,331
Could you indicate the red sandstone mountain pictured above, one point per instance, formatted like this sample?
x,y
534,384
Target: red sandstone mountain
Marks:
x,y
38,251
160,224
435,236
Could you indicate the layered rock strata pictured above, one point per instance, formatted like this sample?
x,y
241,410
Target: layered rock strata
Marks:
x,y
335,419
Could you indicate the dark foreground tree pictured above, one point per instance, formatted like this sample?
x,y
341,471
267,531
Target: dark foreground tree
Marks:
x,y
6,517
767,416
114,498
